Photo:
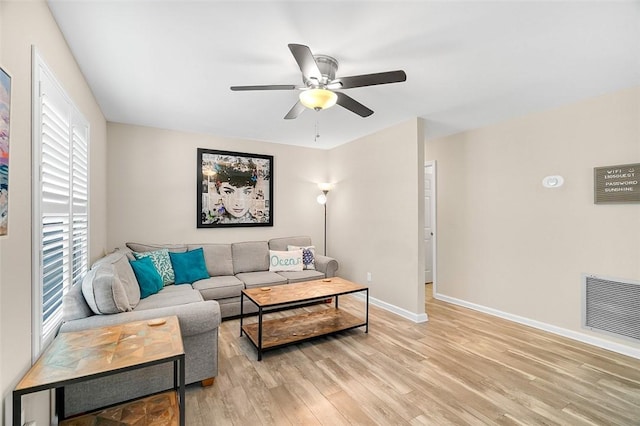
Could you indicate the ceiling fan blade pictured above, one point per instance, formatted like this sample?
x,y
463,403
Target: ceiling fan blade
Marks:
x,y
306,62
371,79
294,112
352,105
266,87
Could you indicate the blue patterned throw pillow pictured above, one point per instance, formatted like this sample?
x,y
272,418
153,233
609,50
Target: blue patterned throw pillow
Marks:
x,y
161,261
308,255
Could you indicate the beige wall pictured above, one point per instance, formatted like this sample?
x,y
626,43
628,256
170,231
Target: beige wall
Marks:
x,y
152,187
376,214
507,243
21,25
374,211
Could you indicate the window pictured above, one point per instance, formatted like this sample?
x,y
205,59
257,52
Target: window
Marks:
x,y
61,200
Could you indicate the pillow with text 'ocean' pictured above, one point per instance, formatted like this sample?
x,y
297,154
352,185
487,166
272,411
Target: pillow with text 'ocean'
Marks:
x,y
280,261
308,255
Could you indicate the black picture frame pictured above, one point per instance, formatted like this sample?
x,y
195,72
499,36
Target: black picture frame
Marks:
x,y
234,189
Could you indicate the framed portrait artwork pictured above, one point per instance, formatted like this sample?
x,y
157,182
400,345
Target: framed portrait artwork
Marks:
x,y
234,189
5,109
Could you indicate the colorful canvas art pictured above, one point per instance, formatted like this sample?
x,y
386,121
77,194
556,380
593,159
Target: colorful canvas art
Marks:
x,y
234,189
5,109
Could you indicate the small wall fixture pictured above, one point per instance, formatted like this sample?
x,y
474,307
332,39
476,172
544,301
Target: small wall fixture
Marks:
x,y
553,181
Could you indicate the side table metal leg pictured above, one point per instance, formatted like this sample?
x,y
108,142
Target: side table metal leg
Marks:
x,y
17,409
60,403
183,402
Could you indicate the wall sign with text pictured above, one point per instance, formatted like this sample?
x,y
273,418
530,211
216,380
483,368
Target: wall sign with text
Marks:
x,y
616,184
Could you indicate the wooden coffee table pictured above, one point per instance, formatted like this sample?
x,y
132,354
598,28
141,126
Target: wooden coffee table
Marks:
x,y
83,355
278,332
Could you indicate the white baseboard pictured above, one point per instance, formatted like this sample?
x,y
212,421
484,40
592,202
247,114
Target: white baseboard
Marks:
x,y
581,337
417,318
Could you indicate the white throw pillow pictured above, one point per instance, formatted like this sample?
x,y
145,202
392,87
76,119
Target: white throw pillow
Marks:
x,y
308,255
285,260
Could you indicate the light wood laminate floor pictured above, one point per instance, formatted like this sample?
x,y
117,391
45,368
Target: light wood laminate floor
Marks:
x,y
461,367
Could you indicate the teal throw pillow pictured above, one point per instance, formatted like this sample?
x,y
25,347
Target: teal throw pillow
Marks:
x,y
189,266
149,279
162,262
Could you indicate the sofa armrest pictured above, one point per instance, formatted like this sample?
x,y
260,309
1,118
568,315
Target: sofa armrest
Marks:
x,y
194,318
327,265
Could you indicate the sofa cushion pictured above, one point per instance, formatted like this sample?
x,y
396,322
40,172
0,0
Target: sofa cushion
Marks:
x,y
122,267
162,263
217,257
261,279
175,248
282,243
148,277
285,260
111,286
170,296
104,292
299,276
74,305
220,287
189,266
250,256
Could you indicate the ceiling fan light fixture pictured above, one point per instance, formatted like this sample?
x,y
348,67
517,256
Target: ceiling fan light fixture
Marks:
x,y
318,99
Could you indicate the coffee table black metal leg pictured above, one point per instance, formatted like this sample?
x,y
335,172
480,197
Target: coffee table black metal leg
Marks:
x,y
260,333
336,302
241,311
366,327
176,368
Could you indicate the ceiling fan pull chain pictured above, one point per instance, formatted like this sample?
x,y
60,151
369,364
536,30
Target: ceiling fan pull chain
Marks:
x,y
317,134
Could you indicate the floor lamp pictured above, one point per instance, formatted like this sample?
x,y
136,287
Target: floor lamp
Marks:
x,y
322,199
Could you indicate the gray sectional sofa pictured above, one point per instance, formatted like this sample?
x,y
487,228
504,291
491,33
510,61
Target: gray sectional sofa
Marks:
x,y
110,295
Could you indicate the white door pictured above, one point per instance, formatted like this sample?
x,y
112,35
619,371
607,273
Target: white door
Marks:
x,y
428,223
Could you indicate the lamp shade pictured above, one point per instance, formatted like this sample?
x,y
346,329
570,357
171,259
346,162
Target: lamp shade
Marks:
x,y
322,199
318,99
325,186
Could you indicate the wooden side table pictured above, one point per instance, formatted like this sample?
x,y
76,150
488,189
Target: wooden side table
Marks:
x,y
83,355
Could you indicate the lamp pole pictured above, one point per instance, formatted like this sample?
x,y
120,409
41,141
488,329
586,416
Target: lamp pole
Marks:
x,y
325,225
322,199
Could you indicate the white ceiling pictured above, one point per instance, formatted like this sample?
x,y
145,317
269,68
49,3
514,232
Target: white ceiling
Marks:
x,y
169,64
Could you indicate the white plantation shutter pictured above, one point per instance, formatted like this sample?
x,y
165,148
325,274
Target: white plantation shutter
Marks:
x,y
61,170
80,202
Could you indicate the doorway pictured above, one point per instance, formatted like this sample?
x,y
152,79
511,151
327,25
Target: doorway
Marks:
x,y
430,223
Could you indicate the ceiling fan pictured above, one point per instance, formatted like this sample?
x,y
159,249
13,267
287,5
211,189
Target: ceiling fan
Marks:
x,y
320,83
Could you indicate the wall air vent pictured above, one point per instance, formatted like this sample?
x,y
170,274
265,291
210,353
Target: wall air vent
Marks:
x,y
611,305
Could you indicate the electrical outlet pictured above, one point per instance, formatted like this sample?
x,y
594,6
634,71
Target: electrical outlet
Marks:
x,y
368,277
